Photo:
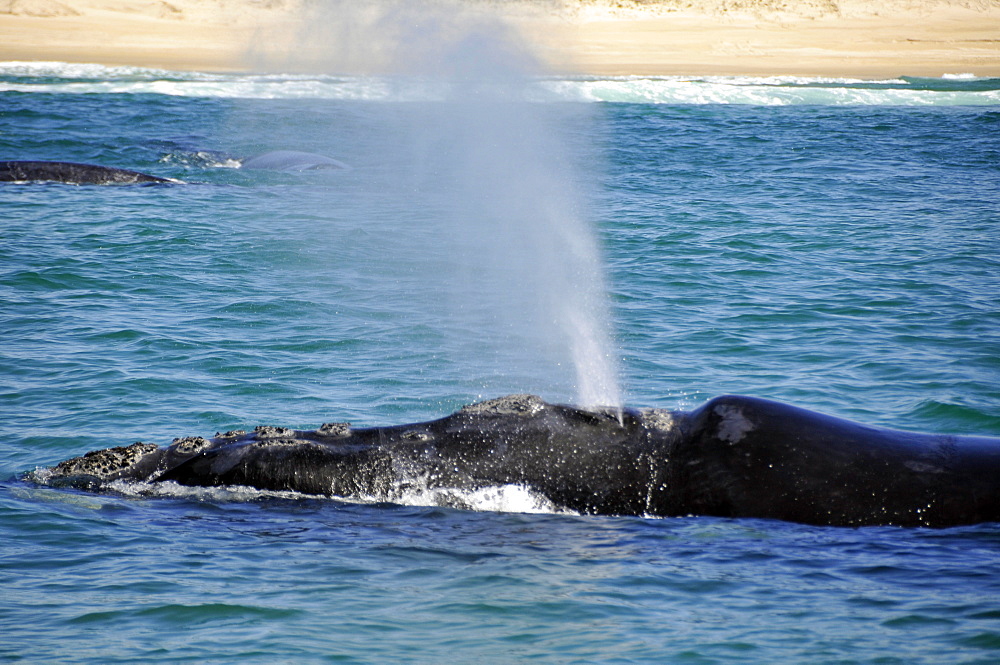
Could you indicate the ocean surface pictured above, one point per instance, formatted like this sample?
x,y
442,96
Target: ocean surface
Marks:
x,y
830,243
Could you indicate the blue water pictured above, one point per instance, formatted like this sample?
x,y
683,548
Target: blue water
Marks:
x,y
829,243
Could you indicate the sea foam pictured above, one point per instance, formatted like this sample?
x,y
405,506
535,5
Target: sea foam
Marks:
x,y
72,78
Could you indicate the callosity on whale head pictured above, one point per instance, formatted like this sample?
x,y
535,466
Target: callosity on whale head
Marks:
x,y
733,457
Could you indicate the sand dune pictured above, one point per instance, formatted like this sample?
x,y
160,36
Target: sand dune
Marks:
x,y
864,38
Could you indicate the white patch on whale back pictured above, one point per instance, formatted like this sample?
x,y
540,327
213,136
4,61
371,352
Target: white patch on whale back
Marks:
x,y
509,405
734,425
659,419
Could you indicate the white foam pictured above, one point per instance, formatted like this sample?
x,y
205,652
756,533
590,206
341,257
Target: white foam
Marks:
x,y
763,91
75,70
499,499
201,158
412,492
72,78
496,499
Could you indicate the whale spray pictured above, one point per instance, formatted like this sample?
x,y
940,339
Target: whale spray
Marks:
x,y
522,289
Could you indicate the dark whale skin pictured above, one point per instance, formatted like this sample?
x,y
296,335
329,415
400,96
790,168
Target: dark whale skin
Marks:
x,y
735,456
749,457
73,173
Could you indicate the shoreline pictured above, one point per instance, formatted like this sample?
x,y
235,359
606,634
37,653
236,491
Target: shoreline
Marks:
x,y
592,37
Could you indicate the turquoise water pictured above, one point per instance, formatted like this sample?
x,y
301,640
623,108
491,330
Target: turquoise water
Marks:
x,y
829,243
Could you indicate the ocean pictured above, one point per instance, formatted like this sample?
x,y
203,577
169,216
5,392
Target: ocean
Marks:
x,y
653,241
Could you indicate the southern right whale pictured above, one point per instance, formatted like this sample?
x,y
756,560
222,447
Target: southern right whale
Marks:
x,y
73,173
732,457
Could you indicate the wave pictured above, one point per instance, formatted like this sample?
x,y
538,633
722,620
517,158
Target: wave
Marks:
x,y
959,89
952,90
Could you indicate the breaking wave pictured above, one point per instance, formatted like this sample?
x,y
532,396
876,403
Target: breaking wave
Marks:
x,y
959,89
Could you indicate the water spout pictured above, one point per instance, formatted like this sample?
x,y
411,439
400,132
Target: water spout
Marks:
x,y
494,169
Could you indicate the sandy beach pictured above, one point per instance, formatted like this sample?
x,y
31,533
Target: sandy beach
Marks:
x,y
856,38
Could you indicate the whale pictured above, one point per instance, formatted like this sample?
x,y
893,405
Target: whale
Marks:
x,y
733,457
73,173
292,160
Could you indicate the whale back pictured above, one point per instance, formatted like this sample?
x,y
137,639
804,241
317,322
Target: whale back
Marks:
x,y
733,457
292,160
587,461
750,457
72,173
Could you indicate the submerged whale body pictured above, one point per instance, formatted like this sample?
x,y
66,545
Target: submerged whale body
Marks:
x,y
73,173
733,457
292,160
